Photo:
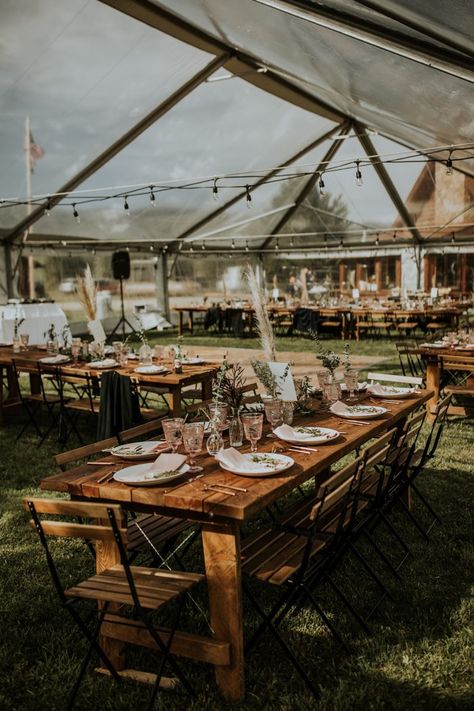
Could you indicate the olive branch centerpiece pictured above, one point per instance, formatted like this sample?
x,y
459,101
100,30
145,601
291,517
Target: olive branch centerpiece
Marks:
x,y
329,358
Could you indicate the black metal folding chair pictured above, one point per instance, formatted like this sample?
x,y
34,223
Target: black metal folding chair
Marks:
x,y
143,590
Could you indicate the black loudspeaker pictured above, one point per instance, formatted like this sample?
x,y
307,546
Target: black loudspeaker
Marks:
x,y
121,265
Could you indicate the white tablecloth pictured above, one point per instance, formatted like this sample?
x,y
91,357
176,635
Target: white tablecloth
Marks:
x,y
38,319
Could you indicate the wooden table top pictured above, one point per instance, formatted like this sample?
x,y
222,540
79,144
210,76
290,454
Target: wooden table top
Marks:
x,y
191,373
188,499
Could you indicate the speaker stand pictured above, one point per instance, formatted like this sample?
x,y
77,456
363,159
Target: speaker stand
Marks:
x,y
123,321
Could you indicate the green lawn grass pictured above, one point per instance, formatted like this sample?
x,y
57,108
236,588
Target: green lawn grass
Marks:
x,y
419,656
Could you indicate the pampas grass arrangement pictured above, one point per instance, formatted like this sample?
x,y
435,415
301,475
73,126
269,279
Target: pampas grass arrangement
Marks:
x,y
86,291
264,327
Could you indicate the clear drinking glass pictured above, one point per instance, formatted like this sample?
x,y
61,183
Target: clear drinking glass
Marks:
x,y
123,355
253,424
76,349
24,340
351,378
158,353
117,346
193,435
173,431
288,412
274,413
219,413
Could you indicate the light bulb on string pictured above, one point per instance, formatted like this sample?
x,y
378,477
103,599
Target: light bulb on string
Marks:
x,y
341,242
191,248
359,180
377,240
47,209
75,213
126,206
63,243
248,196
321,185
453,238
215,190
292,242
449,165
277,245
152,197
151,248
232,245
325,241
394,237
246,245
203,246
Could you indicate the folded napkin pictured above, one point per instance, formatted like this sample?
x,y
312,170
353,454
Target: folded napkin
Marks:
x,y
377,389
106,363
360,386
339,408
235,460
165,463
59,358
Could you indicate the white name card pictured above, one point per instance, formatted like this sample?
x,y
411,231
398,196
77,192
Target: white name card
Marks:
x,y
284,379
97,331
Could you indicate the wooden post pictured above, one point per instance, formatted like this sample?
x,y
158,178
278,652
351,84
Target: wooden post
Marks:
x,y
221,544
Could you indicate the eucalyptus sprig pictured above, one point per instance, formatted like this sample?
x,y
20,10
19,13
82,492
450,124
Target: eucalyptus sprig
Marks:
x,y
16,325
329,358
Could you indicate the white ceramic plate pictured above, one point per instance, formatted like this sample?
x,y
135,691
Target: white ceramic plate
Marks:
x,y
150,369
102,364
393,391
55,360
193,361
280,463
311,435
362,412
135,475
138,450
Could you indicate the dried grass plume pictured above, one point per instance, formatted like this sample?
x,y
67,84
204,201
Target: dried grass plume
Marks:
x,y
264,327
87,292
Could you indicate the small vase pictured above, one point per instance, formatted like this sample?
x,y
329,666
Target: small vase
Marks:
x,y
287,412
145,355
236,430
16,344
215,442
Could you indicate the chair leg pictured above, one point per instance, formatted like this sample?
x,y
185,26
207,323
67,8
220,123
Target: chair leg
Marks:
x,y
281,641
370,571
93,646
349,606
164,660
413,519
325,618
382,555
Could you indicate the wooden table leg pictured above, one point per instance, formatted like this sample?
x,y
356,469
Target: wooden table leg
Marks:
x,y
221,544
191,322
206,389
180,323
107,555
433,377
176,408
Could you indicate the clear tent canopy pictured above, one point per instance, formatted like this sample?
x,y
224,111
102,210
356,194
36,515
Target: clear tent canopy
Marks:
x,y
262,100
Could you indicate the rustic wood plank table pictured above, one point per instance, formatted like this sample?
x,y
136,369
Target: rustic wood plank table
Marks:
x,y
221,517
196,374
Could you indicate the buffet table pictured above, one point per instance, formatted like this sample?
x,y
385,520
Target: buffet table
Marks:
x,y
38,318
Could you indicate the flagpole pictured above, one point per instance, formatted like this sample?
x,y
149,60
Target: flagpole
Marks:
x,y
30,258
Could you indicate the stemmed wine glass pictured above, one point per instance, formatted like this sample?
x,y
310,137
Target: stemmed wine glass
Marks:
x,y
274,413
193,435
253,424
173,431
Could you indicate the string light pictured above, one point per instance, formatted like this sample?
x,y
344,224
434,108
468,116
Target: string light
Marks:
x,y
277,245
377,240
449,164
125,205
152,197
215,190
325,241
75,213
292,242
248,196
232,246
341,242
246,245
152,249
359,180
47,209
64,243
321,184
453,238
191,248
394,237
203,246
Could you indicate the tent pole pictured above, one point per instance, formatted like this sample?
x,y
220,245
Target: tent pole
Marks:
x,y
119,144
309,185
387,182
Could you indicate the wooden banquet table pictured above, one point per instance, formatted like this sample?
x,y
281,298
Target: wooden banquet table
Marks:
x,y
196,374
221,517
434,359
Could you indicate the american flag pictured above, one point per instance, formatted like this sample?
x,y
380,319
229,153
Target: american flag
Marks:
x,y
36,152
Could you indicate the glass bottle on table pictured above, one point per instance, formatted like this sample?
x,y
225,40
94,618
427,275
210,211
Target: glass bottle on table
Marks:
x,y
236,429
178,360
351,380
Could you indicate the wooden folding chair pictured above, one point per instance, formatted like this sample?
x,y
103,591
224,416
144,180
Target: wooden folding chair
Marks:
x,y
143,590
392,378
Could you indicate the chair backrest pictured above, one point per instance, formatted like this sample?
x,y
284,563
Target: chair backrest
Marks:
x,y
84,452
145,429
460,362
196,409
22,366
89,385
337,493
437,427
390,378
108,526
